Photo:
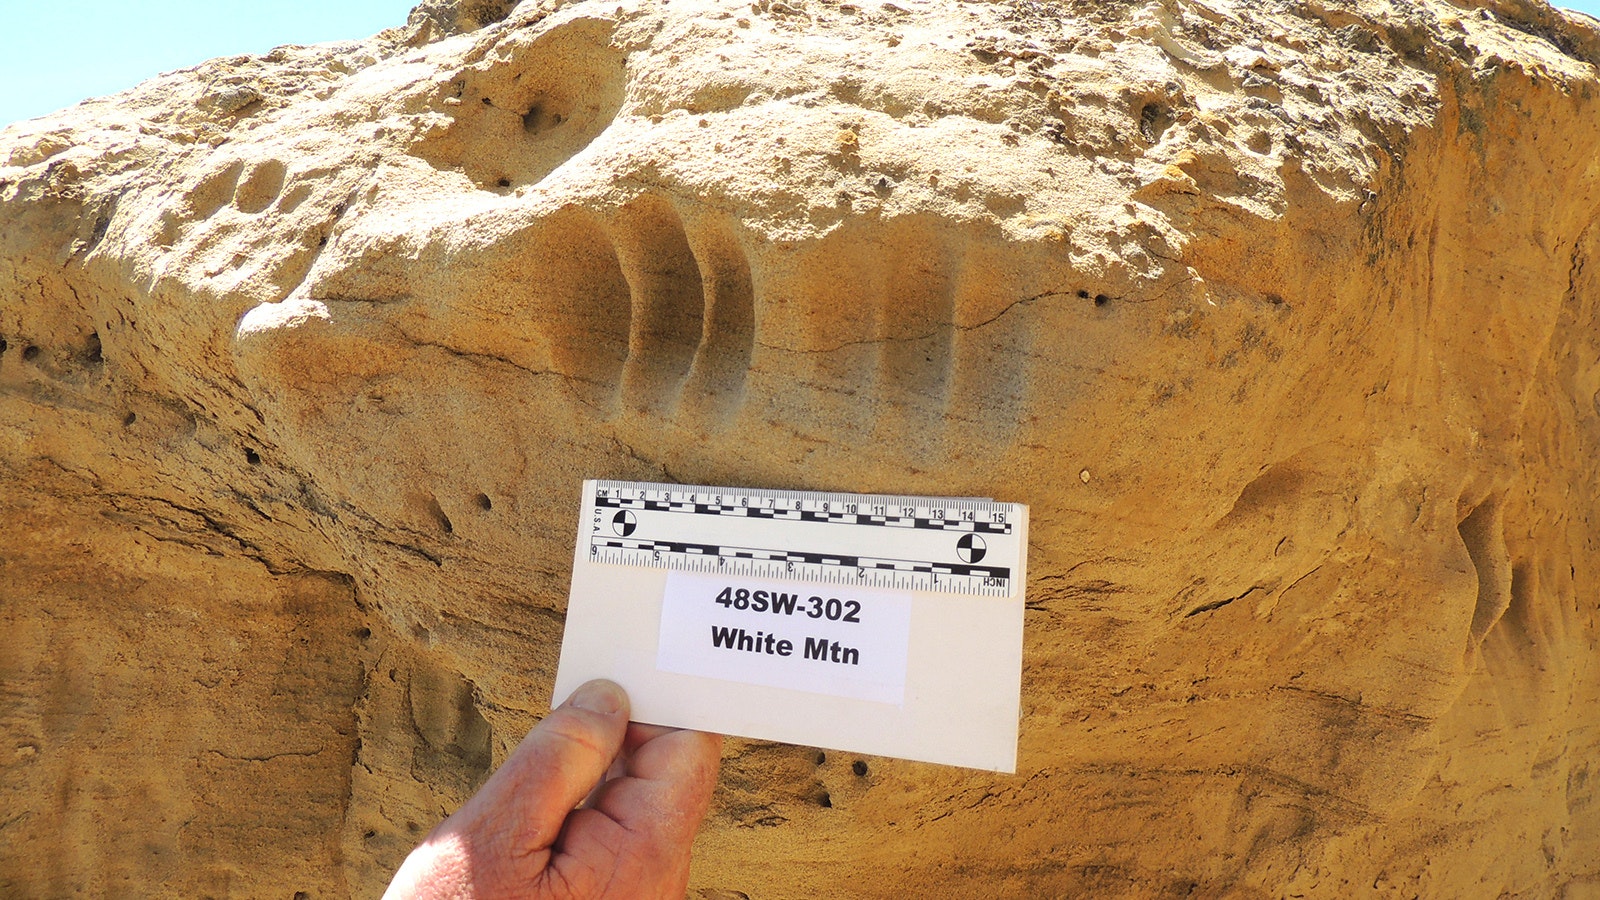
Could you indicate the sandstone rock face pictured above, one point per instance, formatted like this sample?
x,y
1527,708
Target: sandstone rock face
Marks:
x,y
1284,318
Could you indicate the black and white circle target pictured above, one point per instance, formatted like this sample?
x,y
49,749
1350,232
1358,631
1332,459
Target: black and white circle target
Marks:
x,y
971,548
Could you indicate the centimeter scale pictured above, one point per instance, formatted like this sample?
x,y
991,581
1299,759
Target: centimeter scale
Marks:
x,y
948,545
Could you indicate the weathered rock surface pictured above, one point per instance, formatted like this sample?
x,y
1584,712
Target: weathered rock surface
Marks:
x,y
1284,318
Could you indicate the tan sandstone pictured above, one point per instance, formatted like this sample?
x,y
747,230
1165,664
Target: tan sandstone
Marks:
x,y
1284,318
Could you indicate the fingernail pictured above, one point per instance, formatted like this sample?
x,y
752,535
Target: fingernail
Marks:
x,y
604,697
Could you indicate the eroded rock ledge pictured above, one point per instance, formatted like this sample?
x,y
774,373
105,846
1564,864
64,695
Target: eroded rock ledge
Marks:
x,y
1282,317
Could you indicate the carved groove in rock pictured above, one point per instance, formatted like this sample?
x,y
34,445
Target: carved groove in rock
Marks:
x,y
669,302
260,187
715,386
1486,547
1285,322
577,292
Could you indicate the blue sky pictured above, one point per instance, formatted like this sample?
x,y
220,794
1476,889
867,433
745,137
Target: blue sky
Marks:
x,y
54,53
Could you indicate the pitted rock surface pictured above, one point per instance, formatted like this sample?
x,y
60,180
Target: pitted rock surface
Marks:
x,y
1283,318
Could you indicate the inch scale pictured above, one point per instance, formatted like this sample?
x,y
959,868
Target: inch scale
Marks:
x,y
957,545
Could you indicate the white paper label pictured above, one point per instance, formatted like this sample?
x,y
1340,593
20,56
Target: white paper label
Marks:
x,y
825,639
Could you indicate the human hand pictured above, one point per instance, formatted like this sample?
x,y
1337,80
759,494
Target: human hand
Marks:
x,y
648,788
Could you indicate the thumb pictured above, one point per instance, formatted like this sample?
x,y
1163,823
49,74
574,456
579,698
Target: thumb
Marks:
x,y
499,841
521,809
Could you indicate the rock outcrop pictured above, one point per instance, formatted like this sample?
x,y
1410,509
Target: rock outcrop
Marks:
x,y
1283,318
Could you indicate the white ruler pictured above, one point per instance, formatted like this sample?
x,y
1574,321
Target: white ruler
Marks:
x,y
949,545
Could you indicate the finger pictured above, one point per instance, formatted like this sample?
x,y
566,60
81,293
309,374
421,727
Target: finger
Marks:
x,y
639,828
526,801
617,769
666,789
638,733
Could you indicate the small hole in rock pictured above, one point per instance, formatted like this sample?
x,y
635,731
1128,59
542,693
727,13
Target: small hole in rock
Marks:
x,y
369,834
3,345
30,353
484,503
129,419
825,800
302,895
538,119
504,182
1083,295
363,633
1101,299
859,767
487,102
1153,122
93,350
1275,300
252,457
822,758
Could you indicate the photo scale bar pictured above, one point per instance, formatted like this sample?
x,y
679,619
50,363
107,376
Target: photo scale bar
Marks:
x,y
825,559
790,572
806,515
949,545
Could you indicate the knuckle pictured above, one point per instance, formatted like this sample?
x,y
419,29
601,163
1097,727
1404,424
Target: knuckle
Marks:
x,y
576,732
